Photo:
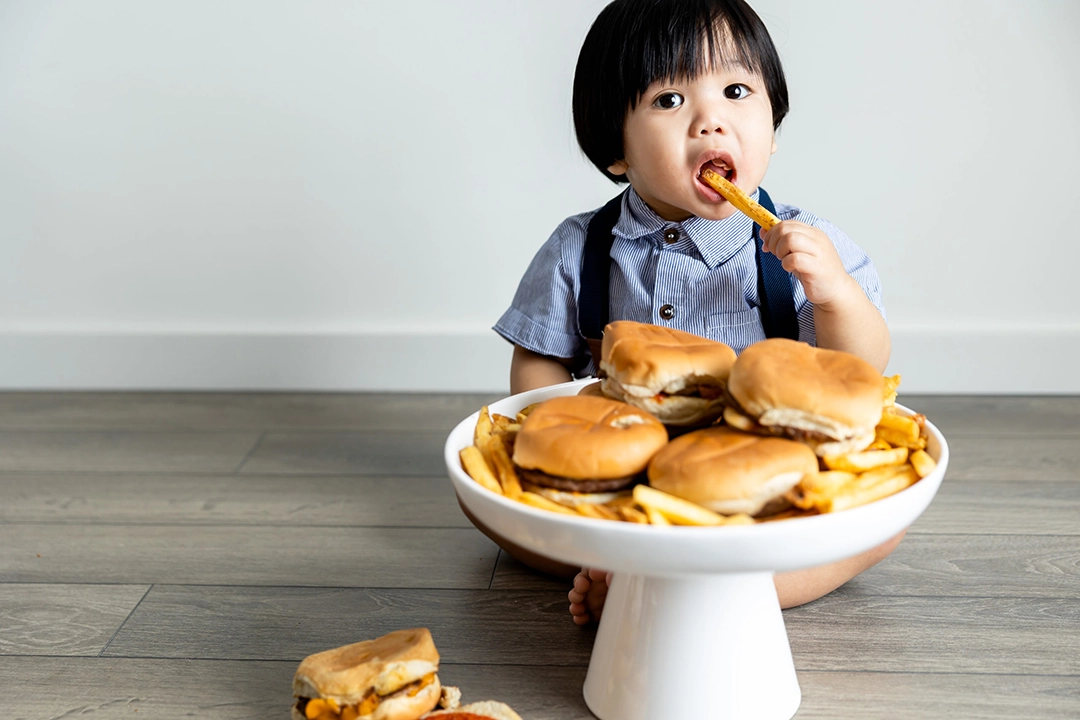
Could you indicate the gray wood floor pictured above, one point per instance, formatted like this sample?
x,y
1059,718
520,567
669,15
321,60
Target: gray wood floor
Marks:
x,y
176,555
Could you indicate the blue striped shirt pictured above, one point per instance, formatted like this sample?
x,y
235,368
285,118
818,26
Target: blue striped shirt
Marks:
x,y
707,274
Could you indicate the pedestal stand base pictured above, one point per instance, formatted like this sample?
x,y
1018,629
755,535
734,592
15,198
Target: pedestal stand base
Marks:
x,y
702,647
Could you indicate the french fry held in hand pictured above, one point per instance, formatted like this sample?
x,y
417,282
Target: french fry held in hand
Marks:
x,y
742,202
859,462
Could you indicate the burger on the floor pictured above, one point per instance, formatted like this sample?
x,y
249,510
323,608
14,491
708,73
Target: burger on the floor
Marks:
x,y
390,678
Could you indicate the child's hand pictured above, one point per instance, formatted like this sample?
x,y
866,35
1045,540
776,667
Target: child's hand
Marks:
x,y
809,255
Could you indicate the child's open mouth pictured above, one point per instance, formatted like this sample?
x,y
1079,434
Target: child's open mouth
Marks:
x,y
721,166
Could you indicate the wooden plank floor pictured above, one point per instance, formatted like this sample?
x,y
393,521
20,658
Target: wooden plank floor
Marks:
x,y
176,555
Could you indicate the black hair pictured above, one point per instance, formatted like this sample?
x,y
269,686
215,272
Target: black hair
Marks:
x,y
634,43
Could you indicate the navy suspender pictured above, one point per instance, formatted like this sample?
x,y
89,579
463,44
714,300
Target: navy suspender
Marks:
x,y
594,295
774,286
594,303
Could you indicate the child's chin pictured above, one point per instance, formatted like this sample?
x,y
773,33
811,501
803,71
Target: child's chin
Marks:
x,y
719,211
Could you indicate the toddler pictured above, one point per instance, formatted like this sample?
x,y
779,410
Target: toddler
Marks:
x,y
662,90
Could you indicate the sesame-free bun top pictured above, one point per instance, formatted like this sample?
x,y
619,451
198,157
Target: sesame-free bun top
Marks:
x,y
676,376
790,383
588,438
649,359
386,664
729,471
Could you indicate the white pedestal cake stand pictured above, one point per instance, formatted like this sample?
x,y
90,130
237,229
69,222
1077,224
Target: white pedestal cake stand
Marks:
x,y
692,626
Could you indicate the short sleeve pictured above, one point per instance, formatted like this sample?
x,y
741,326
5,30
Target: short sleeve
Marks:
x,y
543,315
856,262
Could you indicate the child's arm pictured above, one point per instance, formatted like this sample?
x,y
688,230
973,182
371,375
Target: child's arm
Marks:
x,y
529,370
844,317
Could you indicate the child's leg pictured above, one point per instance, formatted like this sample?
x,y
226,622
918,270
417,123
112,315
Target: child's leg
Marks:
x,y
792,588
527,557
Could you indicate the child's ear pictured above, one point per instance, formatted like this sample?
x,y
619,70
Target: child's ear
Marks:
x,y
619,167
773,151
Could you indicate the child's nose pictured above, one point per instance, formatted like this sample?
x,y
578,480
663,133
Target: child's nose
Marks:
x,y
710,122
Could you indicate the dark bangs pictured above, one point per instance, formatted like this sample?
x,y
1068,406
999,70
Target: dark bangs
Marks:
x,y
634,43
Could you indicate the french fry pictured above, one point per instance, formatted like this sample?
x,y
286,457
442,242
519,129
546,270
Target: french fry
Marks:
x,y
631,514
742,202
879,444
898,439
477,468
900,427
923,463
656,517
539,501
739,519
787,515
500,422
483,432
871,486
594,510
504,467
860,462
621,501
524,412
891,383
815,490
677,510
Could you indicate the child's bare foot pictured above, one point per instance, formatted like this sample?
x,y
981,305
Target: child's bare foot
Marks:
x,y
588,596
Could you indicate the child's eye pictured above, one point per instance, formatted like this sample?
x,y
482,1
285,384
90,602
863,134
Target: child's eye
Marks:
x,y
669,100
736,92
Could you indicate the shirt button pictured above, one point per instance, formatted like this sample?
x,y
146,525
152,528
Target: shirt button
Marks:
x,y
671,235
667,312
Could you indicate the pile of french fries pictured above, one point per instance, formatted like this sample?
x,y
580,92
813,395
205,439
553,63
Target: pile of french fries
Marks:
x,y
896,459
488,462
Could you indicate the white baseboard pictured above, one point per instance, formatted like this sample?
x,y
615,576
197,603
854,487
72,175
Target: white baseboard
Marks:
x,y
931,360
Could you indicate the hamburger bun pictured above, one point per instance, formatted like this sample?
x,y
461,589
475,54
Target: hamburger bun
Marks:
x,y
831,400
486,710
677,376
583,443
393,676
730,472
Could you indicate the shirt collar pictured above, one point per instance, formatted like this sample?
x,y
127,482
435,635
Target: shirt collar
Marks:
x,y
716,240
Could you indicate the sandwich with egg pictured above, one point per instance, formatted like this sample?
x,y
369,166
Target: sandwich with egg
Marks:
x,y
390,678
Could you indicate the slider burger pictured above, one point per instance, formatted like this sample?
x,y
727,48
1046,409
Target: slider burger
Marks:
x,y
487,710
729,471
586,444
676,376
830,400
391,678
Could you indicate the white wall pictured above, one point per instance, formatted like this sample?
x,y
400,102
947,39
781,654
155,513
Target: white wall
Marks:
x,y
343,194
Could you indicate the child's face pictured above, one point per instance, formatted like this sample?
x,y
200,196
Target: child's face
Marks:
x,y
721,117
